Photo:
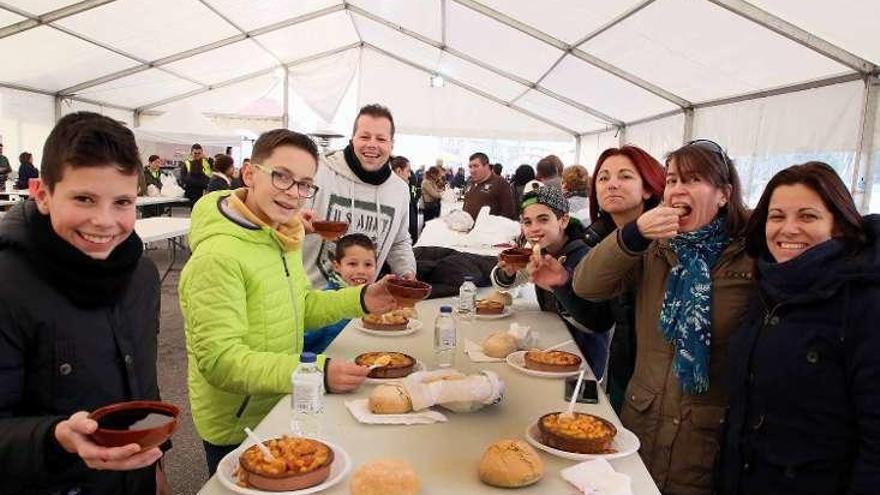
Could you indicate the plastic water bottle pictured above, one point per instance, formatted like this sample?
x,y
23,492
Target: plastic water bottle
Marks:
x,y
444,338
307,399
467,298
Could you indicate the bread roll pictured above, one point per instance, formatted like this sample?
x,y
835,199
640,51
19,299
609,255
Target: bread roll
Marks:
x,y
385,477
389,398
499,345
510,464
503,297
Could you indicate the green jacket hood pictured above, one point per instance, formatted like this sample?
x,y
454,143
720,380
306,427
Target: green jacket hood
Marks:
x,y
213,215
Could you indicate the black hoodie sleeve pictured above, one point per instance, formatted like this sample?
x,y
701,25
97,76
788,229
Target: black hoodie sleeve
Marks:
x,y
597,316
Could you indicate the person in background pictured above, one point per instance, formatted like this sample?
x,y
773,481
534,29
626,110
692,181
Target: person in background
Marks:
x,y
357,186
237,181
549,171
245,298
497,169
545,222
400,166
804,378
153,173
195,174
221,175
355,265
432,193
459,180
5,169
26,170
79,317
487,189
576,186
686,262
522,176
627,181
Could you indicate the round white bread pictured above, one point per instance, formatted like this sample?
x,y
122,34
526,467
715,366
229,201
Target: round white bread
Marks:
x,y
385,477
389,398
499,345
511,464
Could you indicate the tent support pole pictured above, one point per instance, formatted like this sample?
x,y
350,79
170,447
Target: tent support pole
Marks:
x,y
862,177
58,108
688,133
136,118
621,136
285,117
577,149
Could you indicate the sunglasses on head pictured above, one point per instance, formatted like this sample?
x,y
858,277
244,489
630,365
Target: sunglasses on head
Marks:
x,y
716,149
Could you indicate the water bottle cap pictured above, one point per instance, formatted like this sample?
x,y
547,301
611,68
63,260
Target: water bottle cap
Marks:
x,y
446,309
468,278
308,357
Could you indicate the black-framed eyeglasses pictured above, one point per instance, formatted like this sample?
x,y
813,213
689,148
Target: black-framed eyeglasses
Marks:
x,y
715,148
284,182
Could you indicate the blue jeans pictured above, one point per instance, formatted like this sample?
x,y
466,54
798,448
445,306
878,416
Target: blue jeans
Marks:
x,y
214,454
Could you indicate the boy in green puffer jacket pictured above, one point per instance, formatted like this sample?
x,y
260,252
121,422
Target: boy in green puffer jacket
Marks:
x,y
245,297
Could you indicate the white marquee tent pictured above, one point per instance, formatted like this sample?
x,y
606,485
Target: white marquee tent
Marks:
x,y
775,81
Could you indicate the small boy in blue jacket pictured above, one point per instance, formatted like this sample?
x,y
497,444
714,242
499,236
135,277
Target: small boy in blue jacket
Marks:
x,y
354,263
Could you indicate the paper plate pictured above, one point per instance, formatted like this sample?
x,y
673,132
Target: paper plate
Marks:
x,y
338,471
504,314
625,442
517,361
411,327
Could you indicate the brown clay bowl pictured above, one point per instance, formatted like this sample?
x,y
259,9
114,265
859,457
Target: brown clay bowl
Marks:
x,y
390,371
408,292
597,445
145,422
329,230
285,481
516,257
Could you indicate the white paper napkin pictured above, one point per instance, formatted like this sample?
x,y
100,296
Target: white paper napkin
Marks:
x,y
597,477
475,352
360,409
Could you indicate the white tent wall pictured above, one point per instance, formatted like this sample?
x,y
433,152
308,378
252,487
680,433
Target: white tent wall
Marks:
x,y
766,135
873,174
592,145
657,137
26,119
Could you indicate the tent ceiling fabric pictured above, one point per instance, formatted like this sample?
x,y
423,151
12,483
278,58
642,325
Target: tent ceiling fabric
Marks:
x,y
151,32
579,66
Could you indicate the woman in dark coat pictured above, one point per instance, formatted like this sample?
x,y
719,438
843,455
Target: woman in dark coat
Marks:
x,y
26,170
804,413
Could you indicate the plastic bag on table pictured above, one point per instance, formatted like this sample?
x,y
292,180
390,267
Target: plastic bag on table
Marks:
x,y
454,390
170,189
459,221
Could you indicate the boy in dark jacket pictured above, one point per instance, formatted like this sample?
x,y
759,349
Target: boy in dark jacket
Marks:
x,y
546,223
79,317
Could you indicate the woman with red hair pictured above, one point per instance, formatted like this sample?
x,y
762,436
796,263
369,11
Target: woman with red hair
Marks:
x,y
626,182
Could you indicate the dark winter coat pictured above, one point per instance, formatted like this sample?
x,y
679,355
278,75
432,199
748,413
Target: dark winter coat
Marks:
x,y
446,268
804,414
26,172
622,350
57,358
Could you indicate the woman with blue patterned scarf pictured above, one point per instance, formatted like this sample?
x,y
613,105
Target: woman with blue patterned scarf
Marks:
x,y
686,263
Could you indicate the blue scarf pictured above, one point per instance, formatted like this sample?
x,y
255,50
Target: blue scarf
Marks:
x,y
686,315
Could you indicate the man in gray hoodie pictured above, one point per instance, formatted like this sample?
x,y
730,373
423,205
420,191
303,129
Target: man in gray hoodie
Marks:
x,y
357,186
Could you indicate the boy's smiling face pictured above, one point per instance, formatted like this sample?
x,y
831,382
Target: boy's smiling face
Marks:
x,y
91,208
358,266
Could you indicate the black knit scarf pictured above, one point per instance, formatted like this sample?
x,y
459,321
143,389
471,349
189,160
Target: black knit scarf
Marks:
x,y
376,178
87,282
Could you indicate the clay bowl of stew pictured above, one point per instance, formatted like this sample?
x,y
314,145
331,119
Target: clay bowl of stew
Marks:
x,y
330,230
144,422
516,257
408,292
